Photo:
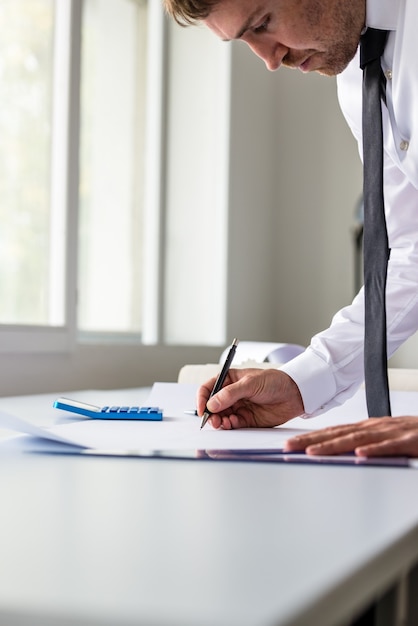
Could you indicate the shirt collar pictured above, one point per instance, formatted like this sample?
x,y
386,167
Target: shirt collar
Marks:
x,y
382,14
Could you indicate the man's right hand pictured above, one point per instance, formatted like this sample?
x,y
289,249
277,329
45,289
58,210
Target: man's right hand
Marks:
x,y
251,398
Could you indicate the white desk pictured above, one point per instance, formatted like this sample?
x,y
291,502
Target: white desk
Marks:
x,y
115,541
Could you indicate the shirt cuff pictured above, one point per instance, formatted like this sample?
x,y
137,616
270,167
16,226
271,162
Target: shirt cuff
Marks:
x,y
314,378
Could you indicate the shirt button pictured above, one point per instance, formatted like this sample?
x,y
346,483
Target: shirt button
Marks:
x,y
388,74
404,145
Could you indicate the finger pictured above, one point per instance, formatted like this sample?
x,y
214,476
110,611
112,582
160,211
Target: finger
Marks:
x,y
404,445
226,424
203,394
382,448
238,421
346,443
333,446
220,401
230,394
218,422
300,442
215,421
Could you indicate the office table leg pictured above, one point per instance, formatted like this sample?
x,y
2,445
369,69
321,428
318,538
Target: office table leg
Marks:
x,y
368,618
383,612
398,606
412,598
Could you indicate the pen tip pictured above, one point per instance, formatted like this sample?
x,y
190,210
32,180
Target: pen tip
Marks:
x,y
205,418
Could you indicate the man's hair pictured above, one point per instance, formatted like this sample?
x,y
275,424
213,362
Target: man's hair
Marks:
x,y
187,12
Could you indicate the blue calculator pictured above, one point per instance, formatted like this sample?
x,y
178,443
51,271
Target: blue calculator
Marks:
x,y
150,413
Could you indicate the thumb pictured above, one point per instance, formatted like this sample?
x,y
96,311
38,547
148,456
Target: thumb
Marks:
x,y
227,397
215,403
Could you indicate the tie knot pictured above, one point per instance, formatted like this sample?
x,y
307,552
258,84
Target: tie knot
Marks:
x,y
372,44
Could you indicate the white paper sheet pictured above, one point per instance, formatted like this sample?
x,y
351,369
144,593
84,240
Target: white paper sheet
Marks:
x,y
12,422
179,431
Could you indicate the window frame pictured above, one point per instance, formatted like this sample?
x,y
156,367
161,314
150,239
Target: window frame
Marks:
x,y
22,338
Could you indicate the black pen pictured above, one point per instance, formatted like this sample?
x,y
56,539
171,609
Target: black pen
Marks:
x,y
220,380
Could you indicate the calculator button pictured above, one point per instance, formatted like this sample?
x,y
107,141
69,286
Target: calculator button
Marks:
x,y
114,409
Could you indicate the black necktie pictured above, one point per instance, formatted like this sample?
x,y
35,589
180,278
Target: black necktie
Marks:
x,y
375,243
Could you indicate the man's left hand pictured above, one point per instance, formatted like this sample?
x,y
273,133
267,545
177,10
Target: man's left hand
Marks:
x,y
382,436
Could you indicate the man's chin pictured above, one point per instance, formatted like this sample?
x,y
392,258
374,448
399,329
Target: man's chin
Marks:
x,y
334,66
331,70
327,72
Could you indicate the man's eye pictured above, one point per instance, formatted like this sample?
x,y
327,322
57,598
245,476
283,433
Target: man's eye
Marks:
x,y
261,28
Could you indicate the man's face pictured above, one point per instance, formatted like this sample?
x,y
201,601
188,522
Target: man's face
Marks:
x,y
311,35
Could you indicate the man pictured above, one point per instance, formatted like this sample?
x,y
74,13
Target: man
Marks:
x,y
323,36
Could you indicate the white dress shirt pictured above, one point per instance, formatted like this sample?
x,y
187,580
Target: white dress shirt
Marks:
x,y
331,369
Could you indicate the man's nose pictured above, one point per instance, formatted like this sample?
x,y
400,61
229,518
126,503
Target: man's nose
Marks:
x,y
271,53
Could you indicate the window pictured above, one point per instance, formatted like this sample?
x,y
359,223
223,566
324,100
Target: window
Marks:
x,y
73,91
27,231
120,122
113,78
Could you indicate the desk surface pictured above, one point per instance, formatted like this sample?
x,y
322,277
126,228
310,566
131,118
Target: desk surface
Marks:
x,y
164,543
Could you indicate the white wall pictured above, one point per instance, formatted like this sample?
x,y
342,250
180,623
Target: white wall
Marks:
x,y
295,178
407,355
252,199
319,183
97,367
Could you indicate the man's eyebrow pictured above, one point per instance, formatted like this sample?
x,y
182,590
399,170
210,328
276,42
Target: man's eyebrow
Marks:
x,y
245,26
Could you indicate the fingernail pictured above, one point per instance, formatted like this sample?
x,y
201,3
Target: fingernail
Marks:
x,y
313,449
